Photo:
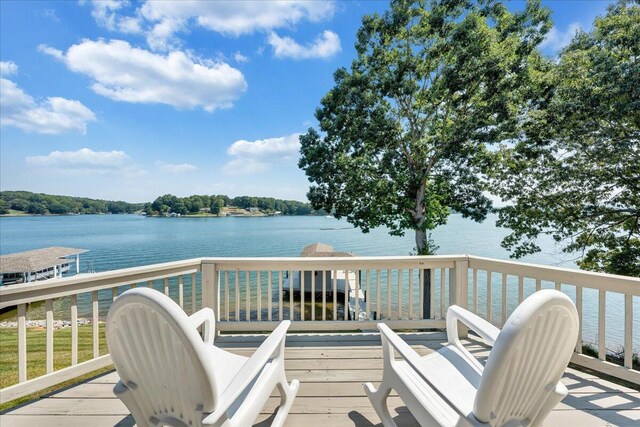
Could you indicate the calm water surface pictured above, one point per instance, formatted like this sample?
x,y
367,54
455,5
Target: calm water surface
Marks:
x,y
120,241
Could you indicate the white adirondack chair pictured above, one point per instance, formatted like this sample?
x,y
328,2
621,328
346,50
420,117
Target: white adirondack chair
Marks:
x,y
518,386
170,375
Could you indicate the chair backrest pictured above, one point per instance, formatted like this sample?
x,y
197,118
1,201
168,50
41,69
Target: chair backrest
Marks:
x,y
160,357
528,359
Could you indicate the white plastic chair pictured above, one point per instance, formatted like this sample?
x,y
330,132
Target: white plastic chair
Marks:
x,y
518,386
170,375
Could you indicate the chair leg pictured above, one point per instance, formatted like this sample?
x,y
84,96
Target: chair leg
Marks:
x,y
124,394
378,400
287,394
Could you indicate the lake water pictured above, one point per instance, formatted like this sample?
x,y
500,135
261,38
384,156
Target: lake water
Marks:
x,y
120,241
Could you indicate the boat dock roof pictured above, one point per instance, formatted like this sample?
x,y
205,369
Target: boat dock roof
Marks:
x,y
36,260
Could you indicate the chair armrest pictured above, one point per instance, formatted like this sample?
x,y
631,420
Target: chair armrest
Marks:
x,y
408,354
483,328
251,369
208,318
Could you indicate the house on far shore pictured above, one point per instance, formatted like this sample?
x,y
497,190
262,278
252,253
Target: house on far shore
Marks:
x,y
253,210
39,264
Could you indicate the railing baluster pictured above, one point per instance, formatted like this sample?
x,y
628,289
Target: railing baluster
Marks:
x,y
313,295
357,300
74,329
49,339
421,293
432,291
628,331
259,294
226,294
22,343
292,308
301,295
388,294
579,310
334,278
324,295
150,284
558,286
181,292
538,284
602,301
368,295
520,289
475,290
442,293
194,306
504,298
346,295
280,302
114,294
166,286
269,296
489,303
237,293
96,332
399,311
247,292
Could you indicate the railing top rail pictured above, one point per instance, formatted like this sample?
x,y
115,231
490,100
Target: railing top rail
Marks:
x,y
336,263
37,291
589,279
11,295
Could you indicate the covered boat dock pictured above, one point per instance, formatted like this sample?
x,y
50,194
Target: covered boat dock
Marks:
x,y
38,264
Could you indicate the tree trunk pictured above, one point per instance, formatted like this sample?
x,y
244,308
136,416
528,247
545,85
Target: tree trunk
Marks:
x,y
421,242
422,248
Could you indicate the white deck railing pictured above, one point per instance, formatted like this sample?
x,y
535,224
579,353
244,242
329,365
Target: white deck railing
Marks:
x,y
254,294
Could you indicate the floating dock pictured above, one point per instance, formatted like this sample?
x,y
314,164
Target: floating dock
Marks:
x,y
317,281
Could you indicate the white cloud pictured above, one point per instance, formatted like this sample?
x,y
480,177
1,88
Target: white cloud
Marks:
x,y
52,116
556,39
8,68
86,161
125,73
245,167
324,46
161,20
175,169
251,157
104,12
240,57
232,18
50,14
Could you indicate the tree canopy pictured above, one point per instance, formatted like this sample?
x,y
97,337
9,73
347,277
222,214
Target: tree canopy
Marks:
x,y
575,173
169,203
403,132
44,204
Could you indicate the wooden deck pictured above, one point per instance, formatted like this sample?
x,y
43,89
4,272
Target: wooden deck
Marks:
x,y
331,369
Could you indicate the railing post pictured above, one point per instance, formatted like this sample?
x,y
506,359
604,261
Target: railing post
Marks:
x,y
459,289
211,289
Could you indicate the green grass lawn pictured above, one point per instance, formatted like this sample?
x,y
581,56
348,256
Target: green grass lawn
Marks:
x,y
36,353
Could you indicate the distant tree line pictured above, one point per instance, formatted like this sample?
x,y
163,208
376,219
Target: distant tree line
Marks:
x,y
47,204
214,204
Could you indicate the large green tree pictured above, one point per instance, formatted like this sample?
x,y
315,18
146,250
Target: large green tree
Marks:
x,y
403,133
575,175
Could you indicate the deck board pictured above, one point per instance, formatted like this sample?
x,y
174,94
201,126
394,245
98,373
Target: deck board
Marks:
x,y
331,369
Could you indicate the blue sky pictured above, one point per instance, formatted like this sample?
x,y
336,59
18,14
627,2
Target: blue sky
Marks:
x,y
131,100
